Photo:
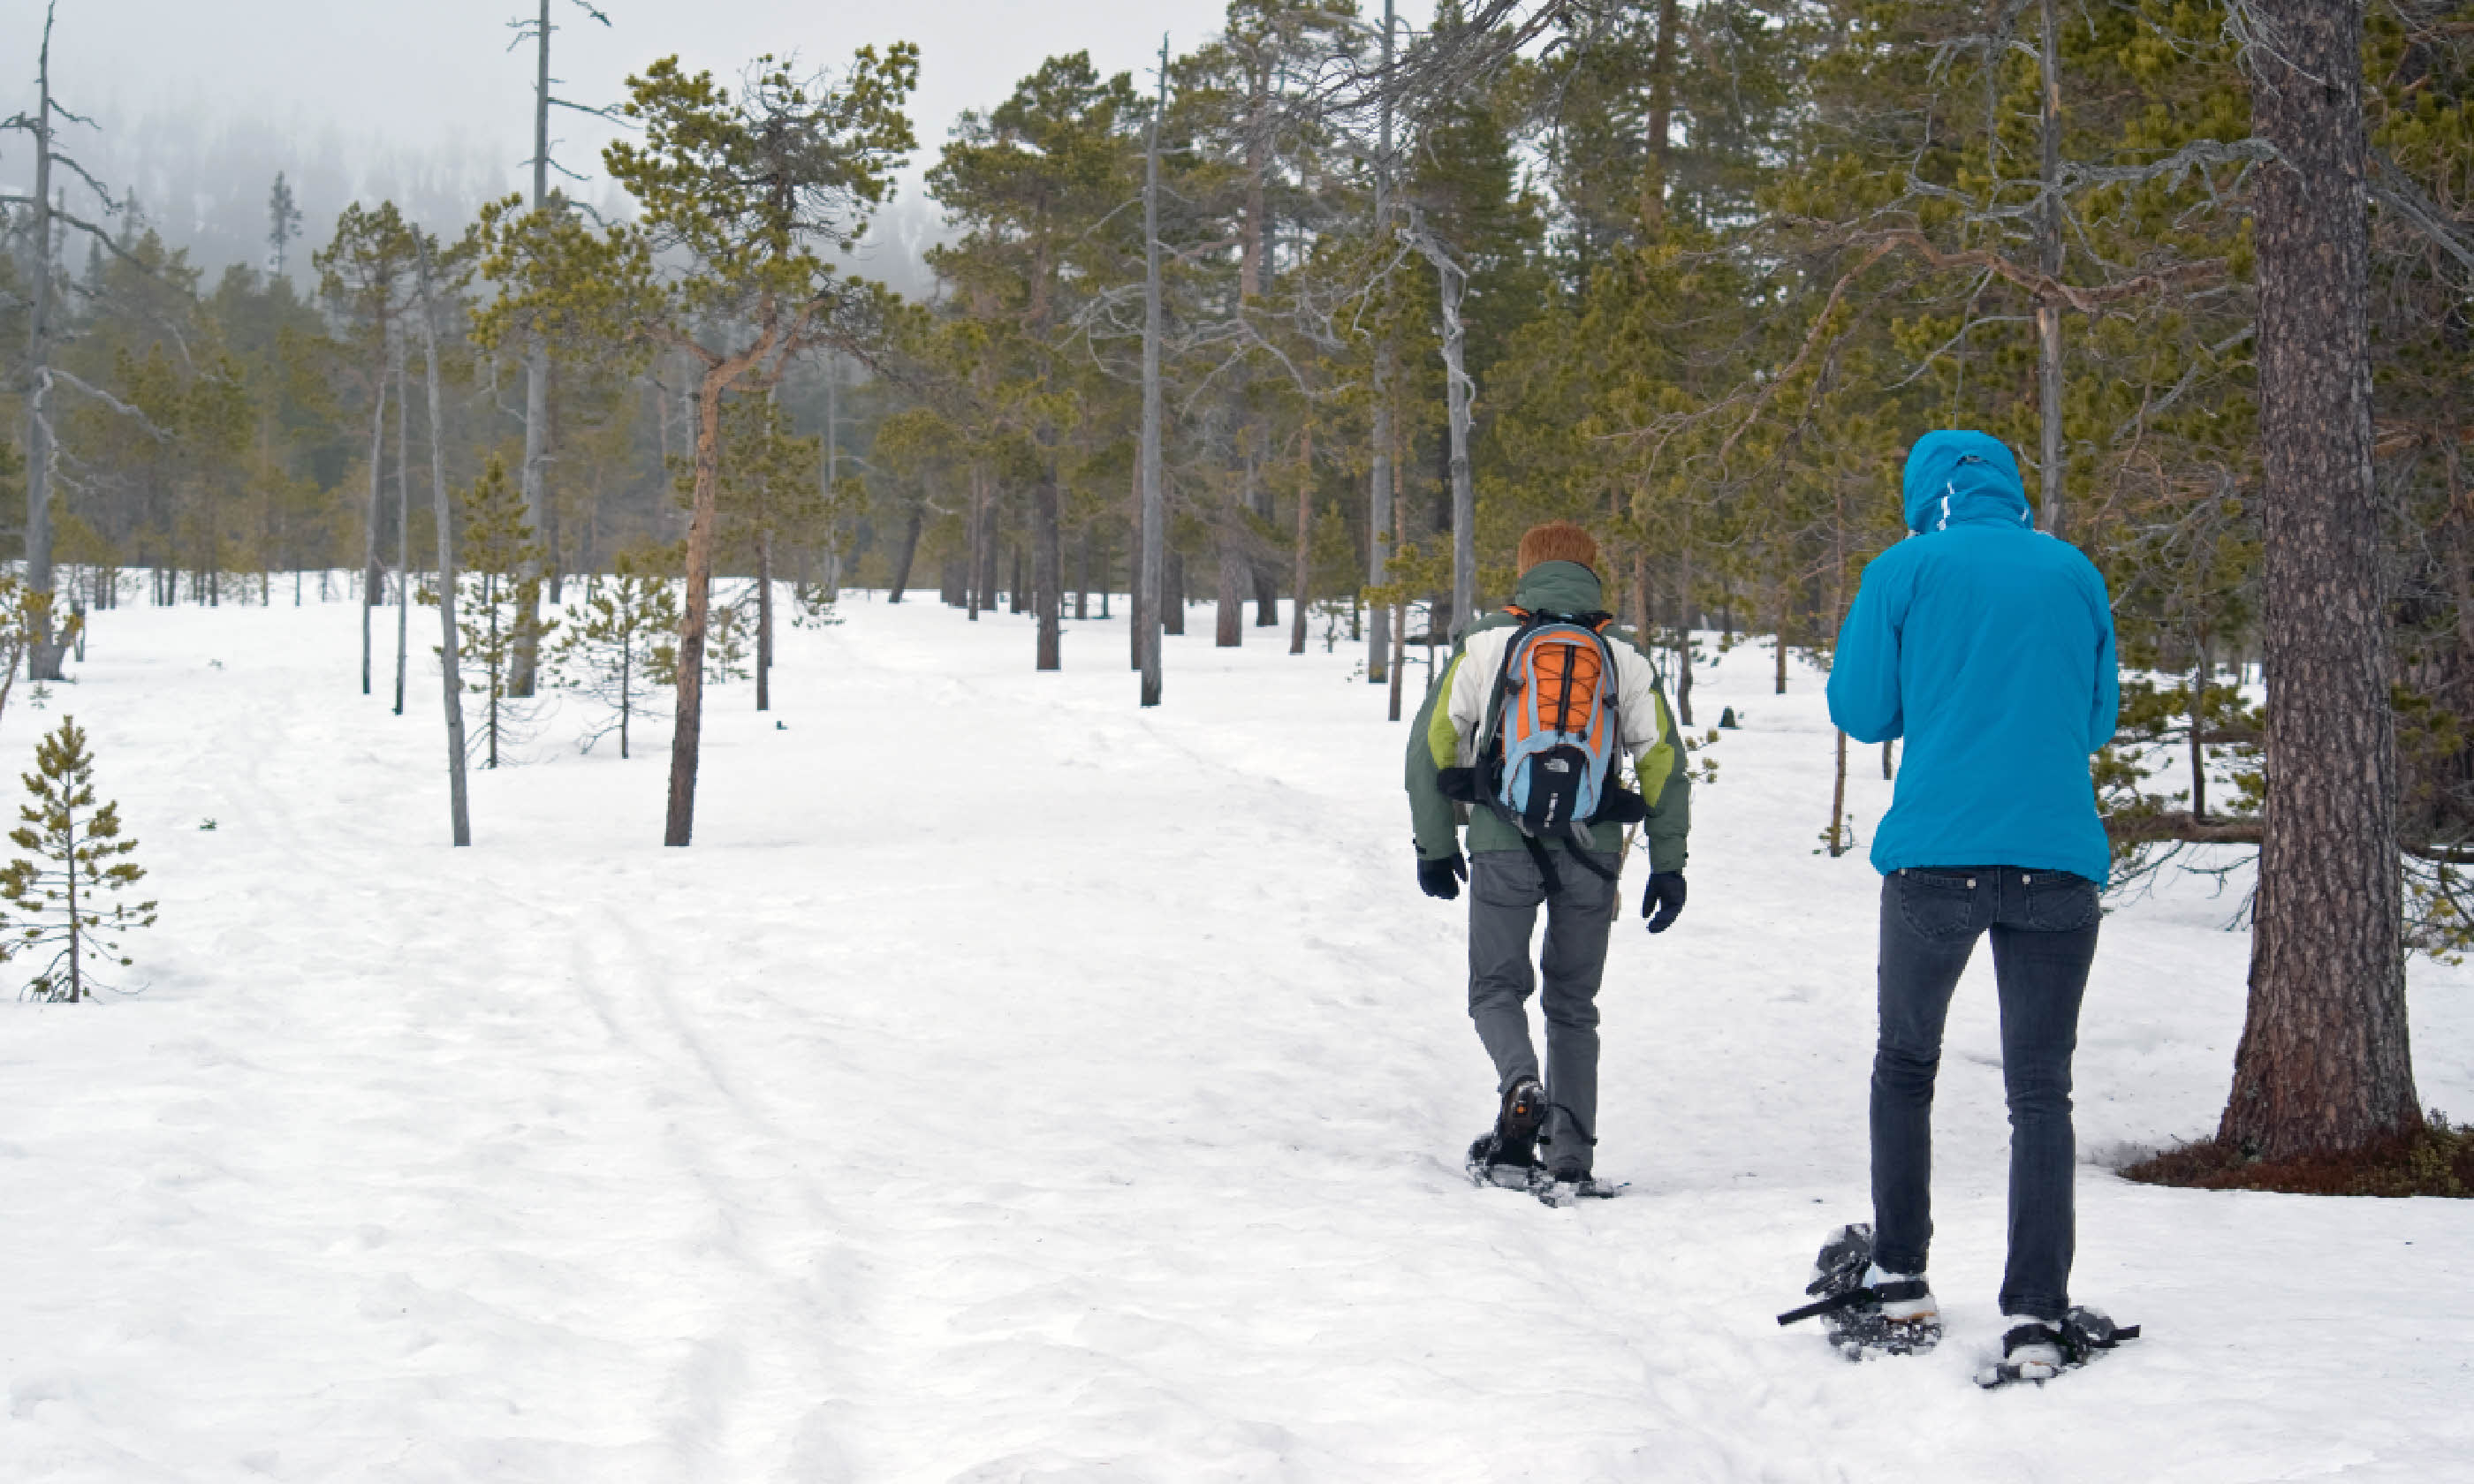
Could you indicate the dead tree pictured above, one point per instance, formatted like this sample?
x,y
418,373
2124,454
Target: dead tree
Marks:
x,y
459,819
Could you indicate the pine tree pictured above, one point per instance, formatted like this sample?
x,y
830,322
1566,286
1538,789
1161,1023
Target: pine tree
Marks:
x,y
497,599
75,861
627,642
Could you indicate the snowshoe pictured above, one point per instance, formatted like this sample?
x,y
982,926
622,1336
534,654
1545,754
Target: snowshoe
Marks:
x,y
1507,1154
1865,1310
2037,1351
1564,1190
1488,1164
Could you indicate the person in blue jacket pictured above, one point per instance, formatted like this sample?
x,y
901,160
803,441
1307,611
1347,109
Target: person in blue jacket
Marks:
x,y
1988,646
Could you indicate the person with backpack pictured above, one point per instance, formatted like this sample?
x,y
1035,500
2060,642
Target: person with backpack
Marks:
x,y
1988,645
1550,735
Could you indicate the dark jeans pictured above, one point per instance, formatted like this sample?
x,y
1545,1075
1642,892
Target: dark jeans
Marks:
x,y
2044,926
1505,893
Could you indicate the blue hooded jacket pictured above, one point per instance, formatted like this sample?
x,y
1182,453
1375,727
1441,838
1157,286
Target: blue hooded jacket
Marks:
x,y
1988,645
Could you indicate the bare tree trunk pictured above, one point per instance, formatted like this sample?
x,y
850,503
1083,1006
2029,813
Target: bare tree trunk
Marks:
x,y
687,733
1779,651
1148,604
1085,560
1301,560
1378,546
763,621
1890,761
1135,603
527,653
1457,388
1686,615
1641,598
459,819
1400,609
1047,570
1230,628
403,527
2202,671
1173,598
989,549
373,577
2325,1061
907,553
2048,311
1838,802
978,595
42,654
528,648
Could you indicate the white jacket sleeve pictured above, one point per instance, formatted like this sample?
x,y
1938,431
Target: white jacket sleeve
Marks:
x,y
1644,715
1473,679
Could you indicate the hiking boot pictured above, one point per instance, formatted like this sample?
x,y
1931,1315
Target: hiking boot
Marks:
x,y
1507,1154
1518,1121
1905,1297
2032,1351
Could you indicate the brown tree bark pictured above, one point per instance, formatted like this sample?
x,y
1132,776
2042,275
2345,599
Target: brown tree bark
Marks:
x,y
1686,615
1230,630
2202,672
764,622
687,738
2323,1063
905,554
1048,571
1135,575
1301,559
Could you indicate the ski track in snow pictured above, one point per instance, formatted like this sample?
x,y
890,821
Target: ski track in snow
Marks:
x,y
1013,1084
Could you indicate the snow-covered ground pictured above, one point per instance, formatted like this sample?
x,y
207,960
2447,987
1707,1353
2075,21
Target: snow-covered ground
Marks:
x,y
1012,1085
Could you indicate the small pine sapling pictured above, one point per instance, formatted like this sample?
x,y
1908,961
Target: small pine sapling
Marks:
x,y
498,606
75,861
621,650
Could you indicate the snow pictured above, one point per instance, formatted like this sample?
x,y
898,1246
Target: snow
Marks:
x,y
1012,1085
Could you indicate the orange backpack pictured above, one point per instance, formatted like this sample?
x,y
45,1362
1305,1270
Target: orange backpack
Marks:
x,y
1553,731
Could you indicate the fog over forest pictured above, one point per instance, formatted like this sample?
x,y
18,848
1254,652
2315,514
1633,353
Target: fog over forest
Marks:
x,y
201,178
196,110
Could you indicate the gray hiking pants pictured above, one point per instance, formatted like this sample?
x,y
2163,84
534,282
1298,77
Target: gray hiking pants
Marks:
x,y
1505,893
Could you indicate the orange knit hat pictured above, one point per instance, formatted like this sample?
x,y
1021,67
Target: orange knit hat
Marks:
x,y
1558,540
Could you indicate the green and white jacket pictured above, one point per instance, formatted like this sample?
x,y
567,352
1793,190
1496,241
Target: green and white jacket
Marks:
x,y
1455,711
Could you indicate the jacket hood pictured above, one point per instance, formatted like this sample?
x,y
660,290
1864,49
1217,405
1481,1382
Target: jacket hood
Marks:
x,y
1955,478
1565,587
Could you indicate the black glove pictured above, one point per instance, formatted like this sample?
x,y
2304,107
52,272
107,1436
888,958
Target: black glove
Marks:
x,y
1441,877
1665,895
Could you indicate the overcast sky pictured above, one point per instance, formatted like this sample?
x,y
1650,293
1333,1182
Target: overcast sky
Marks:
x,y
436,73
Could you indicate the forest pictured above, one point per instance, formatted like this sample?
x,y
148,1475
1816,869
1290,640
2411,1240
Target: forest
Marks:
x,y
1329,309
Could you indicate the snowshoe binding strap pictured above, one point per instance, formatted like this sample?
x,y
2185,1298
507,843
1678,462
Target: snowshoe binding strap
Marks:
x,y
1852,1298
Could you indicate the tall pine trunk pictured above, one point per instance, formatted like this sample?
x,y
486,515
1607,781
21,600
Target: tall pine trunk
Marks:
x,y
764,622
1301,558
1686,615
372,576
2323,1063
905,554
687,735
402,529
1230,631
1047,570
2048,310
459,818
